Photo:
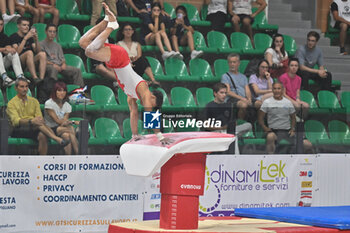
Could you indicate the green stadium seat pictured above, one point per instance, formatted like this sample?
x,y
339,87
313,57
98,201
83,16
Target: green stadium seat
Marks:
x,y
193,15
204,12
345,99
243,65
259,138
308,97
107,132
127,129
10,28
204,95
262,41
76,61
40,28
71,87
182,99
220,67
177,68
200,67
260,22
199,42
290,45
328,100
69,10
241,42
68,36
158,70
339,132
315,132
104,99
217,42
169,9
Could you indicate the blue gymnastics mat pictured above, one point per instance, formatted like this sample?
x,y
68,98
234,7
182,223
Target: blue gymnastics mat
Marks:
x,y
328,216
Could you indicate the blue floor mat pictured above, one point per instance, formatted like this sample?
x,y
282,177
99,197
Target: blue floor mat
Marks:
x,y
329,216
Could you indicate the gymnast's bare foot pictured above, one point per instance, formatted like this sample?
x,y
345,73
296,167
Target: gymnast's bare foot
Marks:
x,y
111,16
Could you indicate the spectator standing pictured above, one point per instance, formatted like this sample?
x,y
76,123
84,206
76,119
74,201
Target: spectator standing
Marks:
x,y
55,59
27,45
97,8
48,6
26,118
261,83
153,32
11,8
182,33
23,6
281,120
217,14
126,38
340,19
237,86
292,82
8,57
310,55
241,13
277,56
57,110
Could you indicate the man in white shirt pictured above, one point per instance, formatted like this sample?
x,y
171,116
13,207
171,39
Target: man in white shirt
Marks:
x,y
340,17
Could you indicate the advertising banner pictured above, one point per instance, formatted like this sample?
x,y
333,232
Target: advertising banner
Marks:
x,y
256,181
67,193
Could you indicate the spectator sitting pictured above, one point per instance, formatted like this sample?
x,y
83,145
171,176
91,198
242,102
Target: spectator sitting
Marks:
x,y
55,59
182,33
153,31
11,8
57,110
126,38
142,8
222,111
217,14
309,55
237,86
291,81
261,83
23,6
281,120
277,56
97,8
340,19
8,57
241,12
48,6
26,43
26,118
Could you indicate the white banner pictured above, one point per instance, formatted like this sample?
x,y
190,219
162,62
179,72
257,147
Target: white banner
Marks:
x,y
249,181
67,193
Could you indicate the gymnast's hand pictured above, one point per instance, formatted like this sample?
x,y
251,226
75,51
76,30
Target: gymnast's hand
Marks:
x,y
166,141
137,137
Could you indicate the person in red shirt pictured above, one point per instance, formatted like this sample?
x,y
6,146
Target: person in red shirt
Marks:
x,y
292,82
48,6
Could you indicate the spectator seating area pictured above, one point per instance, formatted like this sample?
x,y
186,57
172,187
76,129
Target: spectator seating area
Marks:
x,y
186,85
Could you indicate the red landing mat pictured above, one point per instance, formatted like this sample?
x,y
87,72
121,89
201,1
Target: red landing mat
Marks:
x,y
222,225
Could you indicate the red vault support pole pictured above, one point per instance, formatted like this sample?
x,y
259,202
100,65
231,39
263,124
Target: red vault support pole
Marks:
x,y
181,184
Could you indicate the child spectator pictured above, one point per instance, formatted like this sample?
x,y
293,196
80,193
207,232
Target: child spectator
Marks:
x,y
277,56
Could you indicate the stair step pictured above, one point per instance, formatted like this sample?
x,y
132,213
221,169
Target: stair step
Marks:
x,y
285,15
279,7
306,24
297,32
337,67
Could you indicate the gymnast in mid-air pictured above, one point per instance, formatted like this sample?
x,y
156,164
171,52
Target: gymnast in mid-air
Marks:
x,y
117,58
